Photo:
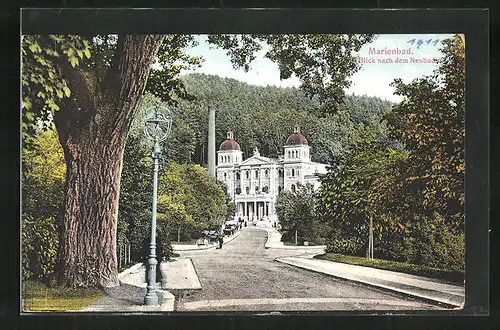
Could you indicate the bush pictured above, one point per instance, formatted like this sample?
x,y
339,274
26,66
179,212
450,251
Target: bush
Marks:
x,y
39,247
390,245
433,244
353,246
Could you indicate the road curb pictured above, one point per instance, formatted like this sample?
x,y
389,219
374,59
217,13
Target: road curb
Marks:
x,y
441,300
285,247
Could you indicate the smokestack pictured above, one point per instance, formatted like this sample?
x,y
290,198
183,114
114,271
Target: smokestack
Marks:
x,y
211,141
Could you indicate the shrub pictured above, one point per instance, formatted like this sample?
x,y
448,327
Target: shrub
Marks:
x,y
39,247
431,243
353,246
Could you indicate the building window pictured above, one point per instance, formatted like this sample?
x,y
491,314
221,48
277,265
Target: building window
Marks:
x,y
288,153
256,174
238,175
246,174
225,176
247,189
293,188
267,174
293,172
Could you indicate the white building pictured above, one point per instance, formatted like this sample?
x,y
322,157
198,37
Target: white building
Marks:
x,y
253,184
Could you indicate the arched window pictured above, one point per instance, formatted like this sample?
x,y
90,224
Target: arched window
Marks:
x,y
288,153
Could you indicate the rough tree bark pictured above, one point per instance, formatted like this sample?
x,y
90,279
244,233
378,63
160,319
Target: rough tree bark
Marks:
x,y
92,128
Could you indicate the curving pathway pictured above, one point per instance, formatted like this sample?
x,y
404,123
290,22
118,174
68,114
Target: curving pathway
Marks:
x,y
243,276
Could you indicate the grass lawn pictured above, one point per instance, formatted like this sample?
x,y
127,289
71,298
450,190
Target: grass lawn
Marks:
x,y
37,297
455,277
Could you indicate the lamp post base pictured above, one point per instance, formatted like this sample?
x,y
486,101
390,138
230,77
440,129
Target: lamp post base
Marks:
x,y
151,299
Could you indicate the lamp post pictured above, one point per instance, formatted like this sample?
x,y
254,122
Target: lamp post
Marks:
x,y
156,128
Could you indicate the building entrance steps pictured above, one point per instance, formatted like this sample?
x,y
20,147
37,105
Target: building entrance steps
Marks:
x,y
416,286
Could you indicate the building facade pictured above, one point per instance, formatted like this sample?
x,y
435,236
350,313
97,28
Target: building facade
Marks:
x,y
253,184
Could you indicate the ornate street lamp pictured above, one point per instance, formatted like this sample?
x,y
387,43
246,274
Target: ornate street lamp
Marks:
x,y
156,128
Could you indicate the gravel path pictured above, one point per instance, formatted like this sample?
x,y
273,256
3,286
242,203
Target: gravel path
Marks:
x,y
243,276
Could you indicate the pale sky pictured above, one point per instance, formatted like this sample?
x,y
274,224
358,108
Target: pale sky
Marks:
x,y
373,79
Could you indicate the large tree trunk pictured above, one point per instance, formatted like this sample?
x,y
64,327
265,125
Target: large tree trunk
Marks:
x,y
92,129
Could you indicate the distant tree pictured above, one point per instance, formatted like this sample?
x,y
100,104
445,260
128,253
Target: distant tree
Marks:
x,y
343,199
296,212
189,199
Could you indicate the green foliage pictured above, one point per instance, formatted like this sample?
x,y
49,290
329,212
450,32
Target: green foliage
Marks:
x,y
433,244
346,188
134,211
164,83
322,62
182,142
264,117
42,198
430,122
190,200
407,175
37,296
352,246
39,247
296,213
43,86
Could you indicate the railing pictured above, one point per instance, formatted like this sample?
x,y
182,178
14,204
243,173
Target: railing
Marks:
x,y
123,254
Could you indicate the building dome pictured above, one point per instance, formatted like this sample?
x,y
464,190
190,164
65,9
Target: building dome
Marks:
x,y
230,143
296,138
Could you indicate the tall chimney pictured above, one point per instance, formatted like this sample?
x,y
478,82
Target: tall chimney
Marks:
x,y
211,141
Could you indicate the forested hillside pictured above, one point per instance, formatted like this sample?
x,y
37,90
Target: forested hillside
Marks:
x,y
264,117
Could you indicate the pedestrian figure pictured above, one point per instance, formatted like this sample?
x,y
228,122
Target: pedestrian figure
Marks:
x,y
221,240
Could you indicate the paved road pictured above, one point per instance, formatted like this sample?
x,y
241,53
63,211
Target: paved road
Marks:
x,y
243,276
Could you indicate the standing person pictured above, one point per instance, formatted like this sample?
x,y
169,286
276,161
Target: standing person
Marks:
x,y
221,240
